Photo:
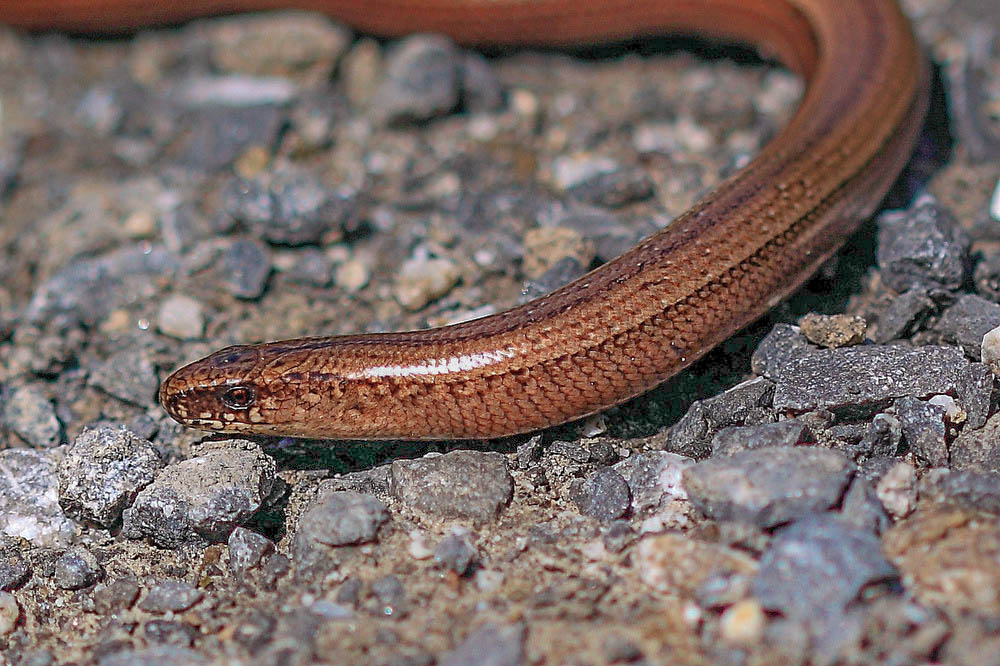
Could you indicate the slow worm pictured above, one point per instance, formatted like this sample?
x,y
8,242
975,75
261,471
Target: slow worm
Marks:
x,y
635,321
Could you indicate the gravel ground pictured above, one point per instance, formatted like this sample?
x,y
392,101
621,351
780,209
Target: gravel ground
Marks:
x,y
825,488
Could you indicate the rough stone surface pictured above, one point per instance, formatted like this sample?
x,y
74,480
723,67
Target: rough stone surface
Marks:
x,y
29,412
102,472
768,487
922,247
654,479
967,321
745,404
204,497
924,430
76,568
460,484
833,330
744,438
604,495
170,596
29,498
490,645
422,81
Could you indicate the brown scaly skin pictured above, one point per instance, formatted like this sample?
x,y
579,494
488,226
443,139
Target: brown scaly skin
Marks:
x,y
630,324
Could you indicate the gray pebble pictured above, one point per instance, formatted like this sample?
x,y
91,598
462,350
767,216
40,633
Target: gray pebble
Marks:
x,y
967,321
561,273
461,484
312,267
922,247
924,430
89,289
744,438
244,269
614,189
861,380
204,497
489,645
604,495
160,655
12,149
102,471
882,438
343,518
530,452
904,315
170,596
610,235
572,451
169,632
977,449
777,349
819,566
654,479
128,375
29,498
979,491
422,79
768,487
391,596
75,569
28,411
862,507
748,403
116,596
454,552
14,569
217,135
247,549
289,207
482,91
986,275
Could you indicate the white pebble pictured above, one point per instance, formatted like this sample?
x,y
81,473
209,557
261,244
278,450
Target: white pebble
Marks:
x,y
181,317
9,613
995,203
743,623
897,490
991,350
421,281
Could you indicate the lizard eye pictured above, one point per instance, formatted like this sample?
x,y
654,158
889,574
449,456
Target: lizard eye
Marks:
x,y
238,397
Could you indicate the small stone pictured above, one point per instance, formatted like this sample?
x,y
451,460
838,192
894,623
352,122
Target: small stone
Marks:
x,y
768,487
948,557
129,375
776,350
299,45
614,189
160,655
610,235
237,91
745,438
247,549
343,518
883,437
861,380
748,403
89,289
897,490
568,171
10,613
422,79
489,645
904,315
352,275
244,269
561,273
418,548
76,569
361,70
833,330
421,281
116,596
816,569
203,498
544,247
743,623
990,350
603,496
976,491
181,317
986,275
391,596
678,564
170,596
461,484
103,471
977,449
924,430
29,498
28,411
311,267
217,135
922,247
14,569
290,207
455,553
967,323
861,507
482,91
654,479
